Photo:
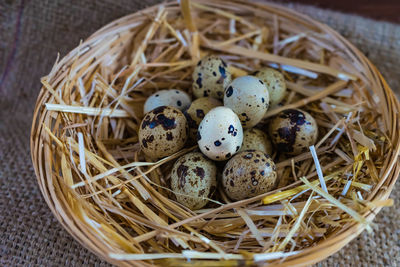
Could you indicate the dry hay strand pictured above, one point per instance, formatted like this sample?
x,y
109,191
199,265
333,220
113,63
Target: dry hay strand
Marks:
x,y
118,204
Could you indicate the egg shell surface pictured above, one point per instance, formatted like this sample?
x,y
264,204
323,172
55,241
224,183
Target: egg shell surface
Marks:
x,y
193,178
255,139
220,134
162,132
275,83
249,174
293,131
210,77
248,97
173,98
197,111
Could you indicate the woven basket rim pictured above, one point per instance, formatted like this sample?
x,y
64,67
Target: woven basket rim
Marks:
x,y
307,256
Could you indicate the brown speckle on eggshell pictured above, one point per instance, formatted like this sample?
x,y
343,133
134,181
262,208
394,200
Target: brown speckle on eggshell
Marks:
x,y
293,131
248,97
275,83
173,98
257,140
210,77
193,179
197,111
248,174
220,134
162,132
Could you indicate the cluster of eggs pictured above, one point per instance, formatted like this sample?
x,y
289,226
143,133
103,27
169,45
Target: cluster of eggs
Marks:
x,y
222,120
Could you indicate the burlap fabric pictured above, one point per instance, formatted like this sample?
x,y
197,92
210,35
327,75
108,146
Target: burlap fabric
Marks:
x,y
31,34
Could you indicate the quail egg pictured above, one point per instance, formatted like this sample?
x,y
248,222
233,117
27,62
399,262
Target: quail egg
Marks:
x,y
162,132
220,134
248,97
173,98
210,77
196,112
257,140
293,131
275,83
193,178
248,174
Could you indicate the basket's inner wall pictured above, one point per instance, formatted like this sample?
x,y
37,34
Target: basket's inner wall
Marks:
x,y
119,206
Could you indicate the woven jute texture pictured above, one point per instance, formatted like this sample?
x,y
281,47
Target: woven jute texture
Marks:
x,y
31,34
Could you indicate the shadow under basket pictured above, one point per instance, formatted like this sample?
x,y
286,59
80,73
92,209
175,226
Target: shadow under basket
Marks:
x,y
118,204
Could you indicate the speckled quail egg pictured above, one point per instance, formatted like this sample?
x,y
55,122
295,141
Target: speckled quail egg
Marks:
x,y
196,112
173,98
248,174
162,132
193,178
210,77
255,139
275,83
248,97
293,131
220,134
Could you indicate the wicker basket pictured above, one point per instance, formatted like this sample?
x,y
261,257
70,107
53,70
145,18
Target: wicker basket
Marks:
x,y
129,220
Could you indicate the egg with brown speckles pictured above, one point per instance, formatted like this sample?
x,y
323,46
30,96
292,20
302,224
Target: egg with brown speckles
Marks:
x,y
249,174
162,132
255,139
197,111
193,180
173,98
248,97
275,83
293,131
210,77
220,134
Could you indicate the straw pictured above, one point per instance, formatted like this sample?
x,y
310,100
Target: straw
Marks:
x,y
118,202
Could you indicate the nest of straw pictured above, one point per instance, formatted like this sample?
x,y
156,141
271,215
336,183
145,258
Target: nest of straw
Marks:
x,y
118,204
